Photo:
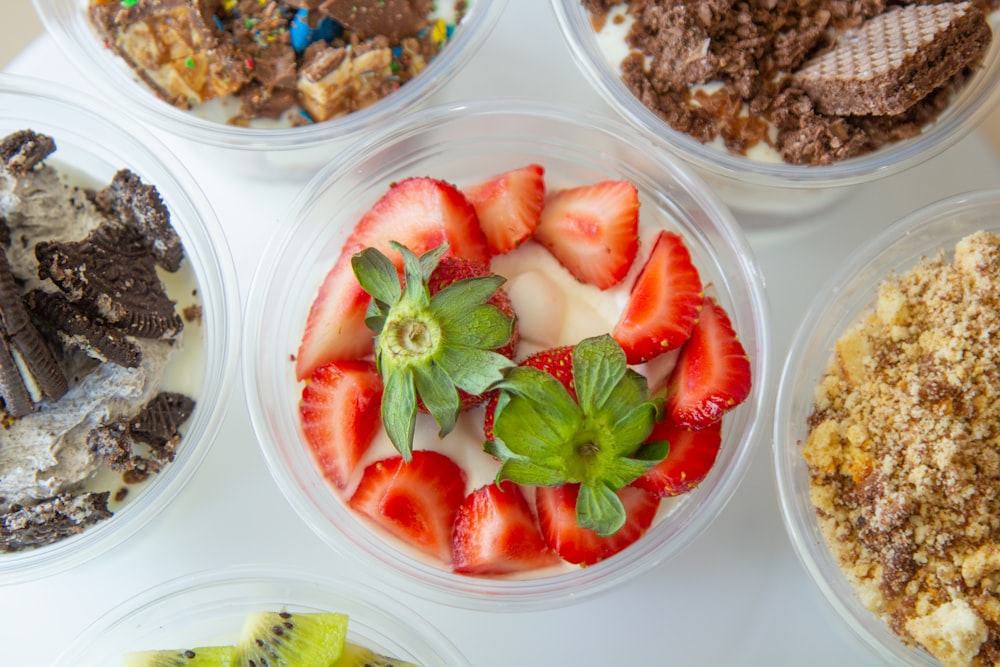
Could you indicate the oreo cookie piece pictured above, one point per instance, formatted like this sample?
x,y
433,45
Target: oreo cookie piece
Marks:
x,y
38,365
88,332
16,398
51,520
157,426
112,275
140,206
894,59
22,150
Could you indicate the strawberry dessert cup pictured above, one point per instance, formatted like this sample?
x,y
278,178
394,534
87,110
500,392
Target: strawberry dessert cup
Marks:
x,y
314,377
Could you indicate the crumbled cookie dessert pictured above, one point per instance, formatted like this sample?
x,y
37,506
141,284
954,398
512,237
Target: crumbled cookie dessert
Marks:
x,y
297,60
779,73
904,454
86,332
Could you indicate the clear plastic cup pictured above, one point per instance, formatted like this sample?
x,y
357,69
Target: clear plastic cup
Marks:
x,y
844,299
293,153
767,194
464,142
208,608
92,143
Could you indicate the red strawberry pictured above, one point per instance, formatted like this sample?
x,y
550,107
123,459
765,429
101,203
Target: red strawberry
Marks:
x,y
556,507
415,501
664,304
420,213
496,533
509,206
339,413
712,374
691,457
557,362
593,230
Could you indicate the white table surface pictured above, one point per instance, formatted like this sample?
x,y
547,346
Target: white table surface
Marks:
x,y
738,595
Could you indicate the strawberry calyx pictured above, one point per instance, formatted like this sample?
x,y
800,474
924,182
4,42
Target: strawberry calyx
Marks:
x,y
543,437
430,346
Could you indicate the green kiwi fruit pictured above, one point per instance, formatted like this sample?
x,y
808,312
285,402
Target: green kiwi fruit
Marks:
x,y
290,639
206,656
359,656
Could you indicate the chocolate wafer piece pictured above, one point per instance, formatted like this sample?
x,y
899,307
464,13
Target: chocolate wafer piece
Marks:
x,y
83,330
16,398
111,275
51,520
22,150
895,59
137,204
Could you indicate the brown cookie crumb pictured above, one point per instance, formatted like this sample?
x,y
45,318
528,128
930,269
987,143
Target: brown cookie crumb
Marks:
x,y
904,454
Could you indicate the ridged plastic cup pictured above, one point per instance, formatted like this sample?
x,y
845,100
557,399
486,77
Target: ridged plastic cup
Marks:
x,y
464,142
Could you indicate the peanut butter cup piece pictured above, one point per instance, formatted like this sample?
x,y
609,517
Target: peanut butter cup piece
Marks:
x,y
895,59
395,19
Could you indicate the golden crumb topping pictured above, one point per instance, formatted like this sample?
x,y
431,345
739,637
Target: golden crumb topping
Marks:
x,y
904,454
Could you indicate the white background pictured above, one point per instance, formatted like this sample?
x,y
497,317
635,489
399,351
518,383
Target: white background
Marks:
x,y
736,596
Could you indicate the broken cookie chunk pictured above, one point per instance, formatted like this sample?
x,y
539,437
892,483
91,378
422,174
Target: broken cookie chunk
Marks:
x,y
51,520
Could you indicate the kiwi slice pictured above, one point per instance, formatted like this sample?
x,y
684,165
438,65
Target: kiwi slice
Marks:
x,y
206,656
360,656
287,639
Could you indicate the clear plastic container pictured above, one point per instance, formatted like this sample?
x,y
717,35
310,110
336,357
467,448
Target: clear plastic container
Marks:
x,y
93,143
293,153
840,303
464,142
764,193
209,607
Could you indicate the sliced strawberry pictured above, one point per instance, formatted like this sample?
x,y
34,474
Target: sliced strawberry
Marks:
x,y
335,327
557,362
593,230
496,533
712,375
509,206
415,501
692,455
556,507
420,213
339,413
664,304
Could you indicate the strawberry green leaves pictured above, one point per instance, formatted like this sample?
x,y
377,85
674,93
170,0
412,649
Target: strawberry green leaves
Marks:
x,y
427,347
544,437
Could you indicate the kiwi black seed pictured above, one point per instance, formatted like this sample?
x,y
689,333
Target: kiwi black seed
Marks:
x,y
290,639
207,656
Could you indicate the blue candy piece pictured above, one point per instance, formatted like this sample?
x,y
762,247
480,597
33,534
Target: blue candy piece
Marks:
x,y
299,30
327,29
302,35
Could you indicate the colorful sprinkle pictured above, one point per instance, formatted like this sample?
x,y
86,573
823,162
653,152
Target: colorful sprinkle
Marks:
x,y
129,3
249,62
228,5
189,63
219,24
440,31
305,114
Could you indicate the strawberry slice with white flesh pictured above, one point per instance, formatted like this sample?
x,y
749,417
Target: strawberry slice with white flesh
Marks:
x,y
664,302
339,413
712,375
416,501
420,213
509,206
689,459
593,230
558,518
496,533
